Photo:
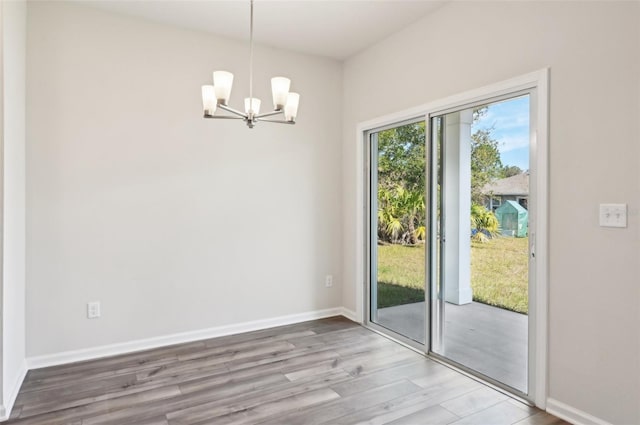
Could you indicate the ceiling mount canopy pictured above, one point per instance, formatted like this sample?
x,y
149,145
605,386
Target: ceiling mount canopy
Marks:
x,y
217,95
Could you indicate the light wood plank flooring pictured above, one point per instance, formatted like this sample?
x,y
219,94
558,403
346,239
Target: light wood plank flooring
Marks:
x,y
329,371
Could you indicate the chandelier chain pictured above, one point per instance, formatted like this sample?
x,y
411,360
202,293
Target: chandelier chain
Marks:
x,y
251,57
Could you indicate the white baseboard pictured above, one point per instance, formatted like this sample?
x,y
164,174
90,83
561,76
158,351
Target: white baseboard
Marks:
x,y
5,410
162,341
571,414
349,314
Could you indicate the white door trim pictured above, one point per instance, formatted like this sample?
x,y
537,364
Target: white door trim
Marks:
x,y
539,81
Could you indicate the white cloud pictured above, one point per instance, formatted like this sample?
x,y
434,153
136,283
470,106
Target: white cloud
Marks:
x,y
513,142
509,124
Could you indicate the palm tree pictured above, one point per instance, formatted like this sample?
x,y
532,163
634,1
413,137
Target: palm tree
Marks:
x,y
413,207
389,220
401,215
485,224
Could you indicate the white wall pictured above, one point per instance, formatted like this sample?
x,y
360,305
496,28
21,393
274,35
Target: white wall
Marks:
x,y
593,50
13,224
177,223
173,222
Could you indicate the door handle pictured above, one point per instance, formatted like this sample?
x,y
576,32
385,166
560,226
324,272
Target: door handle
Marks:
x,y
532,245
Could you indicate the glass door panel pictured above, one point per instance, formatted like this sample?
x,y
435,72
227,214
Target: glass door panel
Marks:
x,y
397,232
480,270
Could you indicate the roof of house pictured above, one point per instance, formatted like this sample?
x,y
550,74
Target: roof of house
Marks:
x,y
514,185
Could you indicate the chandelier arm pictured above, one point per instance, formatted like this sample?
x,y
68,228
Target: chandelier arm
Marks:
x,y
268,114
233,111
223,117
276,121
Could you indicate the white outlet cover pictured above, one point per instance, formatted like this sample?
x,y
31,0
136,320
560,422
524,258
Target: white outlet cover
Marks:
x,y
613,215
93,309
328,281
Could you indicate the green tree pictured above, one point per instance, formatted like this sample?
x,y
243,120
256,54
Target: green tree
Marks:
x,y
511,170
486,165
401,184
401,157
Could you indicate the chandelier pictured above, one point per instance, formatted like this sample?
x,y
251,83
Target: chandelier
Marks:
x,y
217,96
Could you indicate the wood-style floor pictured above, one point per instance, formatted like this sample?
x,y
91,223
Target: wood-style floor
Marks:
x,y
329,371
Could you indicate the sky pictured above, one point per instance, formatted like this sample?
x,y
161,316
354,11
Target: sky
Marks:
x,y
510,122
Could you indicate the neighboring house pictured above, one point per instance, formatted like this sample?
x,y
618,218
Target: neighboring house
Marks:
x,y
514,188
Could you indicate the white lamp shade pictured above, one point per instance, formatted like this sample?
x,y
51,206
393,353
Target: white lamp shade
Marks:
x,y
291,107
249,106
208,100
280,90
222,82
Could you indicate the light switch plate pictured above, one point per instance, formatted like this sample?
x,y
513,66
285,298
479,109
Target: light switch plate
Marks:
x,y
613,215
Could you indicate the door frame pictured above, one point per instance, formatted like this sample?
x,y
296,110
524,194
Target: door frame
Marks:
x,y
539,187
371,182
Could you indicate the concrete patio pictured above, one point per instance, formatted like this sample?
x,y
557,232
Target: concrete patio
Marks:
x,y
487,339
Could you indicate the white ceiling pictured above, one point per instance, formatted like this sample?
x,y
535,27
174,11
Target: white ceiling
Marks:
x,y
336,29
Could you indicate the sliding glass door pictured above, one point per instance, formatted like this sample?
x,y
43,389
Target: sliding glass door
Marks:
x,y
449,201
397,230
480,280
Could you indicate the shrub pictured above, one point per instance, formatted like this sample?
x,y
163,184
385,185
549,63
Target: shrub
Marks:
x,y
484,224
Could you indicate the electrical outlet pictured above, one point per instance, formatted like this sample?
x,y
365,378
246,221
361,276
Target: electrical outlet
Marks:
x,y
93,310
328,281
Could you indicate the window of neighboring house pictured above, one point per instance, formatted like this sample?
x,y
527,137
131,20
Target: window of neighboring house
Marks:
x,y
496,201
524,203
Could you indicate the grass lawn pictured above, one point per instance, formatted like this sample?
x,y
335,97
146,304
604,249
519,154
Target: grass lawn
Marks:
x,y
498,274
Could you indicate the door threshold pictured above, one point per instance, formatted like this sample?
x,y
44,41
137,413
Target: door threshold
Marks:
x,y
413,345
511,393
502,388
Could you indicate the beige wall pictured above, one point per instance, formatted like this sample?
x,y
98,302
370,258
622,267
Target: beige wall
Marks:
x,y
177,224
13,180
593,51
173,222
